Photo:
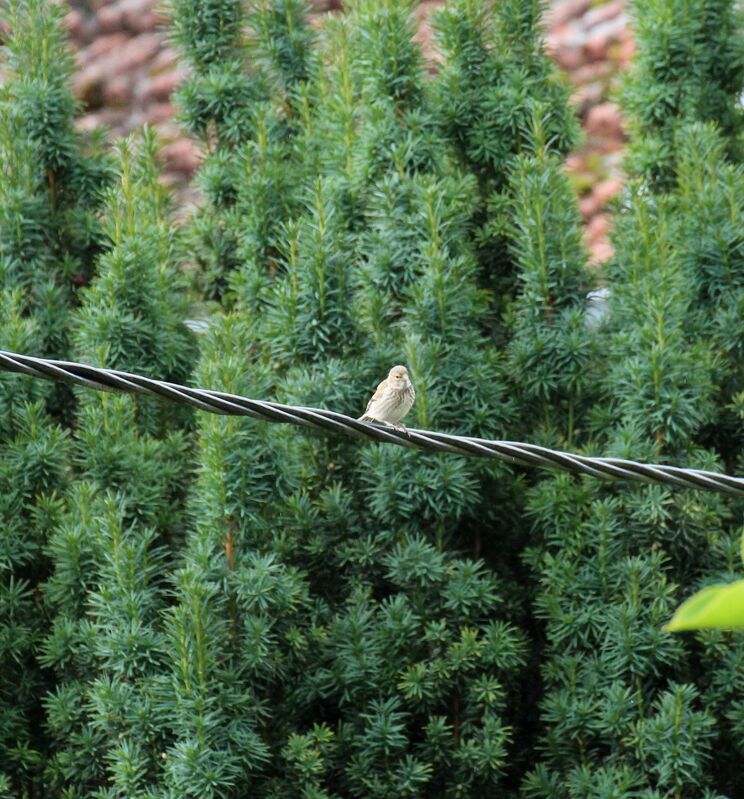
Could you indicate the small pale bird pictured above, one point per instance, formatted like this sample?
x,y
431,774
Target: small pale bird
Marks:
x,y
392,400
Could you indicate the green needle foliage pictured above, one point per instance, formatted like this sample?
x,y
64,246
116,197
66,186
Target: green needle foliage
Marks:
x,y
551,356
495,82
34,468
496,76
689,67
640,711
235,628
124,514
52,185
280,612
50,189
243,102
389,670
709,203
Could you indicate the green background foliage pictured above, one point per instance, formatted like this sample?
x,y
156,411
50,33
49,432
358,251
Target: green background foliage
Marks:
x,y
194,605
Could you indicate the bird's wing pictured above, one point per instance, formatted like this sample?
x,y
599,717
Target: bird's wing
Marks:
x,y
378,393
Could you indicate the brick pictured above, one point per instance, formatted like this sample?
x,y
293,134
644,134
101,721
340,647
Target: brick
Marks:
x,y
161,86
600,251
588,95
157,113
139,15
601,39
624,50
565,10
591,73
139,50
181,156
598,227
74,22
105,118
603,13
167,58
110,18
575,163
589,206
569,36
604,119
118,90
605,190
100,46
570,58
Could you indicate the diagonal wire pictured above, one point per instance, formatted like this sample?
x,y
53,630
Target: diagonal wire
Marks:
x,y
509,451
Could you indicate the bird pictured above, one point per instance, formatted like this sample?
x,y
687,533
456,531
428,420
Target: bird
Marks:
x,y
392,400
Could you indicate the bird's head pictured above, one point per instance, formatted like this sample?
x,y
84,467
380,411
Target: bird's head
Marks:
x,y
398,377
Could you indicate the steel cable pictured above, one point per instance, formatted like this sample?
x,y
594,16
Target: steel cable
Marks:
x,y
512,452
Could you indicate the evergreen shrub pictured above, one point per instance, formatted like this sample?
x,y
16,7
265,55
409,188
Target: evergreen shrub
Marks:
x,y
196,605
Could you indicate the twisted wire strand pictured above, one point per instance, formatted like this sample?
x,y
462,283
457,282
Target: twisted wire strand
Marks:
x,y
513,452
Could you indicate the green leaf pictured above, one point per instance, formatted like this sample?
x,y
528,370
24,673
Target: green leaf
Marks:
x,y
718,606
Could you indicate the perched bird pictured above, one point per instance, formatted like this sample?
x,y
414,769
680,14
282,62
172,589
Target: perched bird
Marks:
x,y
392,400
